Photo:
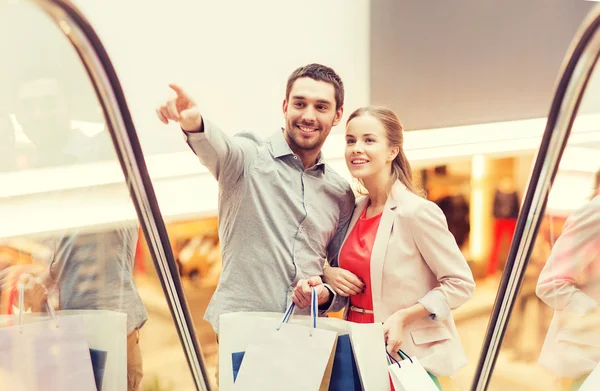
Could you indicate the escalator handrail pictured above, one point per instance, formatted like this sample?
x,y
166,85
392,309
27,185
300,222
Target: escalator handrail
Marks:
x,y
103,77
576,71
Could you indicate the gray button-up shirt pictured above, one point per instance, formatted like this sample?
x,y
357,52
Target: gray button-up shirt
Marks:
x,y
278,222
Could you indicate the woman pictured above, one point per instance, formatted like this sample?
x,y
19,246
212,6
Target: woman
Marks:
x,y
570,284
399,244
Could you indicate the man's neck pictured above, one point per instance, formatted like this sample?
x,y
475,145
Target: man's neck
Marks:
x,y
309,158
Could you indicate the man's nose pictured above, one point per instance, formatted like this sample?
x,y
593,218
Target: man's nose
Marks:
x,y
309,114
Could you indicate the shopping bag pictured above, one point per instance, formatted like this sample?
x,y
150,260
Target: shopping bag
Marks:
x,y
50,355
98,365
104,331
296,356
592,383
238,329
409,375
344,373
236,361
368,345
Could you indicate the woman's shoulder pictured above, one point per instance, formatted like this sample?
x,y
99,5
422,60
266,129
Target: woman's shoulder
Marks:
x,y
409,203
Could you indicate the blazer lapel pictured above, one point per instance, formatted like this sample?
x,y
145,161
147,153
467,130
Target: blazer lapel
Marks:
x,y
380,246
379,249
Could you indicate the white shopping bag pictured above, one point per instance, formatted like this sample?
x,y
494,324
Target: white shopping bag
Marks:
x,y
105,331
50,355
275,351
238,329
409,375
290,357
296,356
368,344
592,383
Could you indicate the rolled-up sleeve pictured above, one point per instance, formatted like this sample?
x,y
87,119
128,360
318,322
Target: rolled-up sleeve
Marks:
x,y
441,253
576,248
223,155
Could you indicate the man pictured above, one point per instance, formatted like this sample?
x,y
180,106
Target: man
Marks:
x,y
91,270
282,211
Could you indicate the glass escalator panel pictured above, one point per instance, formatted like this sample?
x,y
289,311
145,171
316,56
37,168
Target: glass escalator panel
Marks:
x,y
544,332
70,238
552,337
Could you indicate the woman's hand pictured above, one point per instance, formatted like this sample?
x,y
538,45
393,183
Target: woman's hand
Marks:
x,y
393,329
343,282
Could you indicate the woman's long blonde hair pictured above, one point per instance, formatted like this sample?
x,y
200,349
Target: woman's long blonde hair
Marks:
x,y
401,170
596,185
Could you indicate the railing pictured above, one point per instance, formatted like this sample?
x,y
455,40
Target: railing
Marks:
x,y
120,126
574,77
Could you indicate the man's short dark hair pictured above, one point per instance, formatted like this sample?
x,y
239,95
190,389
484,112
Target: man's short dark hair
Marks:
x,y
318,72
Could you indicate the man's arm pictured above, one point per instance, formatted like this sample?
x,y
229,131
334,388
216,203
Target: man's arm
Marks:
x,y
222,155
337,302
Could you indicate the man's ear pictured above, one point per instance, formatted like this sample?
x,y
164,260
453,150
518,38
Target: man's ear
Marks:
x,y
285,107
338,116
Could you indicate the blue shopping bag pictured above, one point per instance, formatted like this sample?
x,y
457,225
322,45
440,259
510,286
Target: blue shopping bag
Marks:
x,y
98,365
344,375
236,360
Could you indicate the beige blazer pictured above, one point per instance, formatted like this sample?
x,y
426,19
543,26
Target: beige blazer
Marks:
x,y
415,259
570,284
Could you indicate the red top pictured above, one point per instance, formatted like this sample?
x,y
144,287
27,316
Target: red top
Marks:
x,y
355,257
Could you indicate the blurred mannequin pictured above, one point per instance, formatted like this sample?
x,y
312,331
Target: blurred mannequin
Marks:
x,y
456,209
506,212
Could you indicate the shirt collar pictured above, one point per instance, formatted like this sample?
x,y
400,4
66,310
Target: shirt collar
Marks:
x,y
280,148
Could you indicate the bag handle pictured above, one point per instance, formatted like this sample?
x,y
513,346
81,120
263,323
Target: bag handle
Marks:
x,y
313,311
401,354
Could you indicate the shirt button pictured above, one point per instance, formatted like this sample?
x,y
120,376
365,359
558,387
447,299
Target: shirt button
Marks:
x,y
301,229
295,157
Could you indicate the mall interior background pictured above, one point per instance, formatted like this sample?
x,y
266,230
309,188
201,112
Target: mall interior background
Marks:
x,y
471,80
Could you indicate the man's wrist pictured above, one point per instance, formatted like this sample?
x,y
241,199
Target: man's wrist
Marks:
x,y
199,130
329,298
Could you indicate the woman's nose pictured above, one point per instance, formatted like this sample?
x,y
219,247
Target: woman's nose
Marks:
x,y
357,148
